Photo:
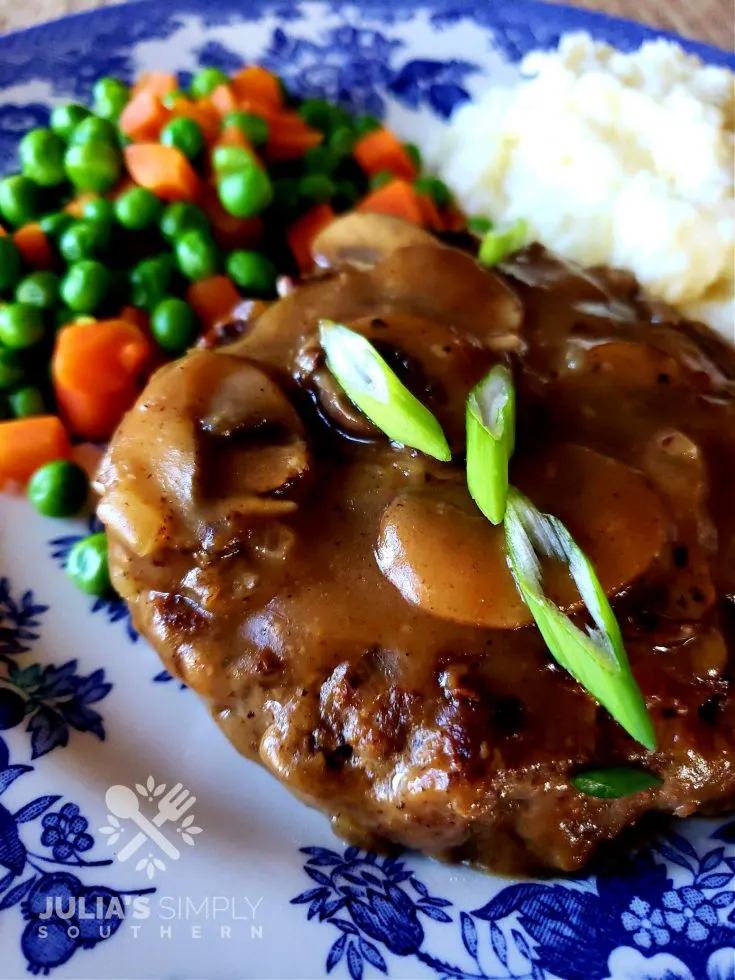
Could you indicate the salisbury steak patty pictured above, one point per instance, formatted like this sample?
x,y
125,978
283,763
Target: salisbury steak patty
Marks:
x,y
348,613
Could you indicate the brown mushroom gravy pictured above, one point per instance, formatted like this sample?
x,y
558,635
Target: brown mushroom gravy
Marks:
x,y
348,613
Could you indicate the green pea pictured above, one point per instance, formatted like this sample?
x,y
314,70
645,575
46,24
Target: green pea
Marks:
x,y
83,240
252,272
254,128
99,210
138,208
9,263
87,565
197,255
110,97
185,134
93,166
367,124
414,154
65,118
19,200
56,223
41,155
174,325
25,402
436,189
21,325
39,289
94,130
320,160
58,489
231,159
206,81
342,141
317,187
11,369
247,193
286,193
85,285
180,217
151,280
317,113
380,179
171,98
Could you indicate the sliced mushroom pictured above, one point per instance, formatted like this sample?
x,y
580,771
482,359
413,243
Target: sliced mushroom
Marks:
x,y
210,441
438,363
442,555
451,287
677,467
361,240
625,364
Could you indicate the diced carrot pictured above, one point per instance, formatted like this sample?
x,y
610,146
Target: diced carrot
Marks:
x,y
230,232
158,83
224,100
303,232
202,113
398,198
92,402
213,300
233,136
382,150
430,216
259,85
75,207
289,137
163,170
34,246
144,117
26,444
3,232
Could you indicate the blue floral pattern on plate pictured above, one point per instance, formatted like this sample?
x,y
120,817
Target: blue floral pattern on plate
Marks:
x,y
567,929
665,913
52,699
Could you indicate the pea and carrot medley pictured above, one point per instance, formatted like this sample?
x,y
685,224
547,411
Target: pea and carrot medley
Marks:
x,y
136,225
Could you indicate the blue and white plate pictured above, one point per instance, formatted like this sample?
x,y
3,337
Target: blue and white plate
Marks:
x,y
241,880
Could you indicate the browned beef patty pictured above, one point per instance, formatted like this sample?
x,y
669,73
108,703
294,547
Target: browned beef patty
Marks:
x,y
348,614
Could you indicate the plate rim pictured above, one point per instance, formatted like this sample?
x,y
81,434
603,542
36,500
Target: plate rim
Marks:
x,y
508,10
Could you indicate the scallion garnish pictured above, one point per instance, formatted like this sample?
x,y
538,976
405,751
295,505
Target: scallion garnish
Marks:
x,y
597,658
491,421
498,244
376,390
611,784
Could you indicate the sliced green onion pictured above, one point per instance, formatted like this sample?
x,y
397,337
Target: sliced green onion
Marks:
x,y
377,391
611,784
491,424
597,658
499,244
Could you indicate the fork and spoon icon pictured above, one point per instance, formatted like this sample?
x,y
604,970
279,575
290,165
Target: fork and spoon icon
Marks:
x,y
123,802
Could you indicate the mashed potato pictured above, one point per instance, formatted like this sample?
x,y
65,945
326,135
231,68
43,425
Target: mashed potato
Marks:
x,y
623,160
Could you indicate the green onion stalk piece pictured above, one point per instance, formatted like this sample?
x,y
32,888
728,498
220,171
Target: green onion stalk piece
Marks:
x,y
597,658
491,423
376,390
611,784
498,244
